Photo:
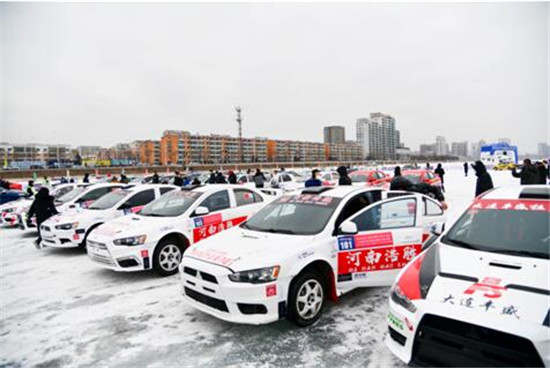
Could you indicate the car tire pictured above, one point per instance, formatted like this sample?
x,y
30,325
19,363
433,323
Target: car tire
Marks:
x,y
167,257
82,245
306,298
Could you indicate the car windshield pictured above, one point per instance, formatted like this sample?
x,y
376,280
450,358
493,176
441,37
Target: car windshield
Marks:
x,y
73,194
171,204
415,178
517,230
109,200
305,214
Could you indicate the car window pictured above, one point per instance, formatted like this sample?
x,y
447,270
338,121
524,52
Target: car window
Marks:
x,y
389,215
432,209
242,179
286,177
244,197
356,204
94,194
217,201
62,191
358,178
326,177
429,175
139,199
164,190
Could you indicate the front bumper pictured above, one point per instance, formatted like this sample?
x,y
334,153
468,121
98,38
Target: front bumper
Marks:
x,y
207,287
403,337
56,238
105,253
9,219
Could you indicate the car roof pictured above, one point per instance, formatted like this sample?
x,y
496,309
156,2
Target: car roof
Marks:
x,y
415,171
340,191
534,192
363,172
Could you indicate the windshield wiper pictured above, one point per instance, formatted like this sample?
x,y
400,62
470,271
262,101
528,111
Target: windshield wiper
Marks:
x,y
460,243
278,231
524,253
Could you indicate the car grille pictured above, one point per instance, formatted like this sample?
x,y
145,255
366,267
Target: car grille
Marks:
x,y
442,340
207,300
204,275
96,244
101,259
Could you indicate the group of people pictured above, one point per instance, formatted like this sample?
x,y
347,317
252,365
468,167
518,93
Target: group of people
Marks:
x,y
315,179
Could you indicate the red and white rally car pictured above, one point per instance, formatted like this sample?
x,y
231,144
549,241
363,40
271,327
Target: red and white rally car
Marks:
x,y
71,228
301,249
480,294
157,237
371,178
422,176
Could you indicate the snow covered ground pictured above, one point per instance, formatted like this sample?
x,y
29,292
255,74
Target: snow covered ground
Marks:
x,y
60,309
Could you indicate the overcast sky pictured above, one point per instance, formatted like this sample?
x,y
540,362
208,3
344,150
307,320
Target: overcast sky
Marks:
x,y
106,73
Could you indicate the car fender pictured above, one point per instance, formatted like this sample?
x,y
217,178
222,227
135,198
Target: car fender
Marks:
x,y
170,233
311,257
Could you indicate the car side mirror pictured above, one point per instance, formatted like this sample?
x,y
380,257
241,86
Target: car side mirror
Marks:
x,y
437,228
201,211
349,228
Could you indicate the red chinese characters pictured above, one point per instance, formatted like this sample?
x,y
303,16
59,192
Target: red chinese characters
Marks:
x,y
210,227
376,258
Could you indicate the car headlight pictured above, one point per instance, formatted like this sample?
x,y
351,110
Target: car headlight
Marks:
x,y
72,225
258,276
132,240
397,296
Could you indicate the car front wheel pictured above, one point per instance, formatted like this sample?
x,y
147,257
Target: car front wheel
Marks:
x,y
167,257
306,299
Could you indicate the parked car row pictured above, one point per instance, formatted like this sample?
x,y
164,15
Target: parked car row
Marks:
x,y
475,293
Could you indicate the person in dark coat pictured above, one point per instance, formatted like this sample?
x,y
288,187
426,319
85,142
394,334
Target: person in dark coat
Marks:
x,y
484,181
441,172
196,181
30,188
156,178
232,178
528,175
465,169
124,179
542,171
259,179
399,182
43,208
314,180
344,177
220,178
178,180
86,178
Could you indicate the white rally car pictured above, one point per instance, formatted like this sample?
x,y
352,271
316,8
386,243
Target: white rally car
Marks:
x,y
301,249
70,229
81,197
10,212
157,237
480,294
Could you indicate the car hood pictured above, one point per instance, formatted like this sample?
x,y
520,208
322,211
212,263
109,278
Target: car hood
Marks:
x,y
130,226
240,249
490,283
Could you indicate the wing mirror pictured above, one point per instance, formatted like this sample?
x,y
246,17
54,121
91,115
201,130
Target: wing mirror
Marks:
x,y
349,228
437,228
201,211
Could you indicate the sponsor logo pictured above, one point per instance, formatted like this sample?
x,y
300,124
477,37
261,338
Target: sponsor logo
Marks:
x,y
394,321
306,254
376,259
489,286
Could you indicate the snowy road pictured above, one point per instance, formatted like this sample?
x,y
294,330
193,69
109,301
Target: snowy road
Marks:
x,y
60,309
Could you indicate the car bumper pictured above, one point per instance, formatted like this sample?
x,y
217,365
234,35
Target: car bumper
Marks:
x,y
405,326
55,238
9,219
105,253
207,287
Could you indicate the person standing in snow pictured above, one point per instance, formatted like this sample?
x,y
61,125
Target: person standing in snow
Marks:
x,y
43,208
528,174
465,169
178,180
232,178
542,171
259,179
156,178
441,172
484,181
86,178
344,178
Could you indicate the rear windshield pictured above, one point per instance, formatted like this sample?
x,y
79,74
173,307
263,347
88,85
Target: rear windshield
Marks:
x,y
510,227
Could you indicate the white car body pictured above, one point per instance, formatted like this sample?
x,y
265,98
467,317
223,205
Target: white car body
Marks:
x,y
460,304
10,212
285,181
80,197
342,259
69,229
182,230
329,178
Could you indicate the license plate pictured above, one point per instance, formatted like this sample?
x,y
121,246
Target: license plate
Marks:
x,y
98,251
